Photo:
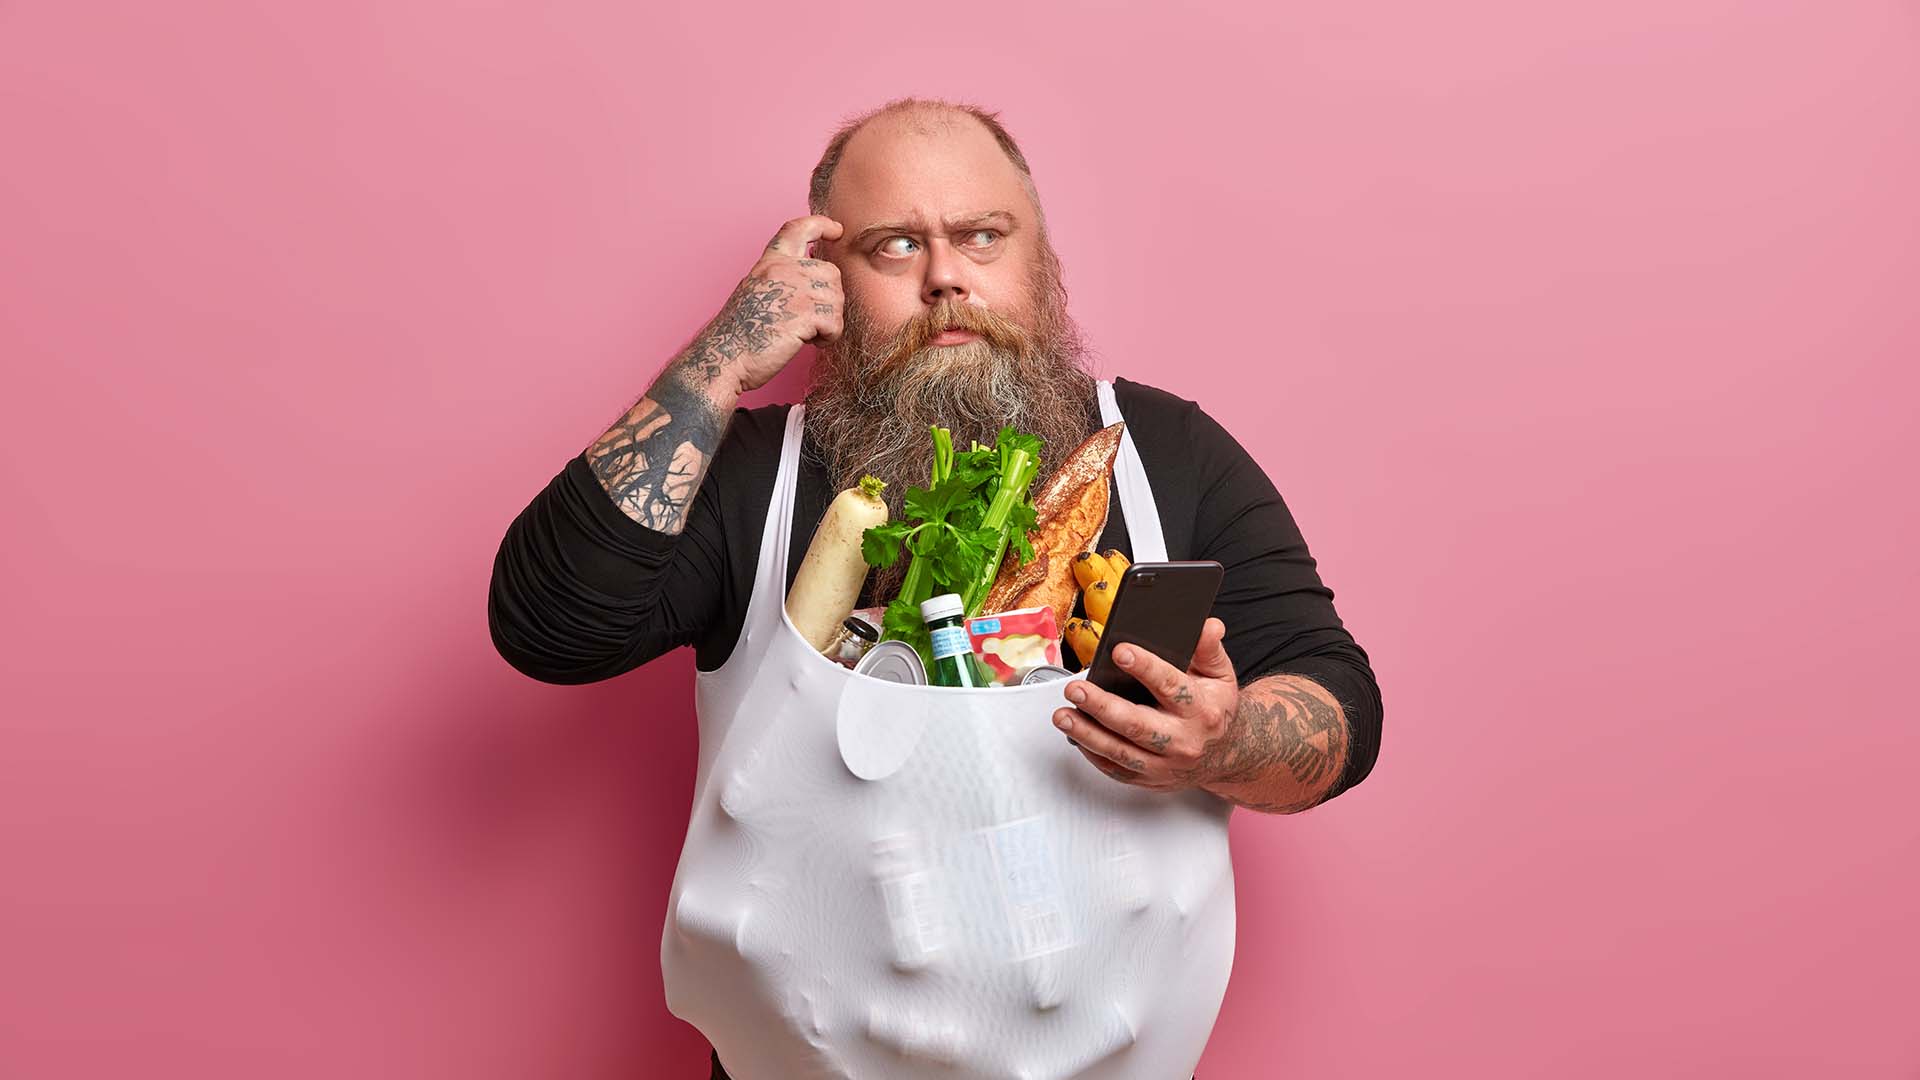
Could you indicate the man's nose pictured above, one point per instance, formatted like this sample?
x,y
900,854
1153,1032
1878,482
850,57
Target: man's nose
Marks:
x,y
946,274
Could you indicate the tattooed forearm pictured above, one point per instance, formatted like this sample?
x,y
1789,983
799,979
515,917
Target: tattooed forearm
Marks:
x,y
744,326
1283,750
651,461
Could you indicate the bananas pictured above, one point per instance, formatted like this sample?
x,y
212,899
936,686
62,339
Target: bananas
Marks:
x,y
1100,600
1099,578
1083,637
1089,568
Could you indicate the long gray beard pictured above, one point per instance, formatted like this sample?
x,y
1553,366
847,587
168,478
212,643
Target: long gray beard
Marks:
x,y
871,402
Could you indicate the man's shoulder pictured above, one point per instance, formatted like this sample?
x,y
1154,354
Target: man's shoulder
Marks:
x,y
1174,432
1155,416
1133,391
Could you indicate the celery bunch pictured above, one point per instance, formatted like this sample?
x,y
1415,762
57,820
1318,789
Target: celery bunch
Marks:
x,y
958,528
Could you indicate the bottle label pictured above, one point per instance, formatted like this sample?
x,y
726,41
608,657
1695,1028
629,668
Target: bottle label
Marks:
x,y
949,641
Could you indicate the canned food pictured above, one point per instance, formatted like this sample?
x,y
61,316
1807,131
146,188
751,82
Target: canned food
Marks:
x,y
1040,673
894,661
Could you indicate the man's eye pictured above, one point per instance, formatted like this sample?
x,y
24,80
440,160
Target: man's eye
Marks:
x,y
990,235
887,246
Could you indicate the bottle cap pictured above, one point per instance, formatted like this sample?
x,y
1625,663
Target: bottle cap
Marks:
x,y
944,606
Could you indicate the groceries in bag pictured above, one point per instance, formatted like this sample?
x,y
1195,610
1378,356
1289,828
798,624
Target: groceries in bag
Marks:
x,y
975,533
957,532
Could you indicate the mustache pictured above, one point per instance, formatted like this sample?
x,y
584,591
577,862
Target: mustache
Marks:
x,y
918,332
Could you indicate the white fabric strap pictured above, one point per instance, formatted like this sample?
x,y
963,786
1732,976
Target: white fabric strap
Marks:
x,y
770,576
1136,495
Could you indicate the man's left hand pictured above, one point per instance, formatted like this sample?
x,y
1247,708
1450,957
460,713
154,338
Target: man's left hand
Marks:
x,y
1168,748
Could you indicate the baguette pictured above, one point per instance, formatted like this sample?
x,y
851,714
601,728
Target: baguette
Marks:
x,y
1071,511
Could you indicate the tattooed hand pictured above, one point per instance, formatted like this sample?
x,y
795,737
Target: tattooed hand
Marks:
x,y
652,460
1164,749
785,301
1276,746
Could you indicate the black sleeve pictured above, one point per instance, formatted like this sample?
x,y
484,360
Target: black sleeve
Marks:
x,y
1279,614
581,592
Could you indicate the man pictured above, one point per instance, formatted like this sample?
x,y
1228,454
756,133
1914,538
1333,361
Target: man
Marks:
x,y
925,278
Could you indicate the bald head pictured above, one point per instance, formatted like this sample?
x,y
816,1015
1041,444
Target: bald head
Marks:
x,y
895,132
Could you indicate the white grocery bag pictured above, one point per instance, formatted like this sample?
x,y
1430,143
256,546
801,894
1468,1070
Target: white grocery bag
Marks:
x,y
888,881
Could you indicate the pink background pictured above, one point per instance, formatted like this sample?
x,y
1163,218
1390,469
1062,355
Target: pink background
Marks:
x,y
1581,339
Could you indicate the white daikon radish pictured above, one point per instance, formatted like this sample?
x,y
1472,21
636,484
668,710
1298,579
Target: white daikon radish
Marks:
x,y
830,577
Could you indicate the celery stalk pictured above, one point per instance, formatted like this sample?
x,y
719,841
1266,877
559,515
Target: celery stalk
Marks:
x,y
1016,475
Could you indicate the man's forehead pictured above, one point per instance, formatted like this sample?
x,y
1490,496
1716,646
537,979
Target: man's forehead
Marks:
x,y
899,174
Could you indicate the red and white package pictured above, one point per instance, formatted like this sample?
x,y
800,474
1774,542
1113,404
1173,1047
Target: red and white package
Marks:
x,y
1013,642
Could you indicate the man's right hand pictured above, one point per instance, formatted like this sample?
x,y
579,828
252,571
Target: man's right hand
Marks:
x,y
785,301
652,460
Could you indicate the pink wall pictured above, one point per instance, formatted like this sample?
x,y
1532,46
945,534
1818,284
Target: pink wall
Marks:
x,y
1581,339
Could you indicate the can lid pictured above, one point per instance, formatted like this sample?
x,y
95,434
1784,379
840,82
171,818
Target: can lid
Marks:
x,y
894,661
944,606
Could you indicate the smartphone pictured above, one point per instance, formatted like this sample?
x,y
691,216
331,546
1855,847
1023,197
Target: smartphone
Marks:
x,y
1161,607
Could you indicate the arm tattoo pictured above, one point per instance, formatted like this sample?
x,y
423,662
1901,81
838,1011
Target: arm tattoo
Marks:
x,y
651,461
1280,726
744,326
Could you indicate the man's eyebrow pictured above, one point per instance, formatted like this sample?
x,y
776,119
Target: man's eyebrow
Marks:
x,y
953,224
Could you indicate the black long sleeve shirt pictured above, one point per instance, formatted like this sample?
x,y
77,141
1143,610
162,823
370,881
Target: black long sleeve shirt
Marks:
x,y
581,592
